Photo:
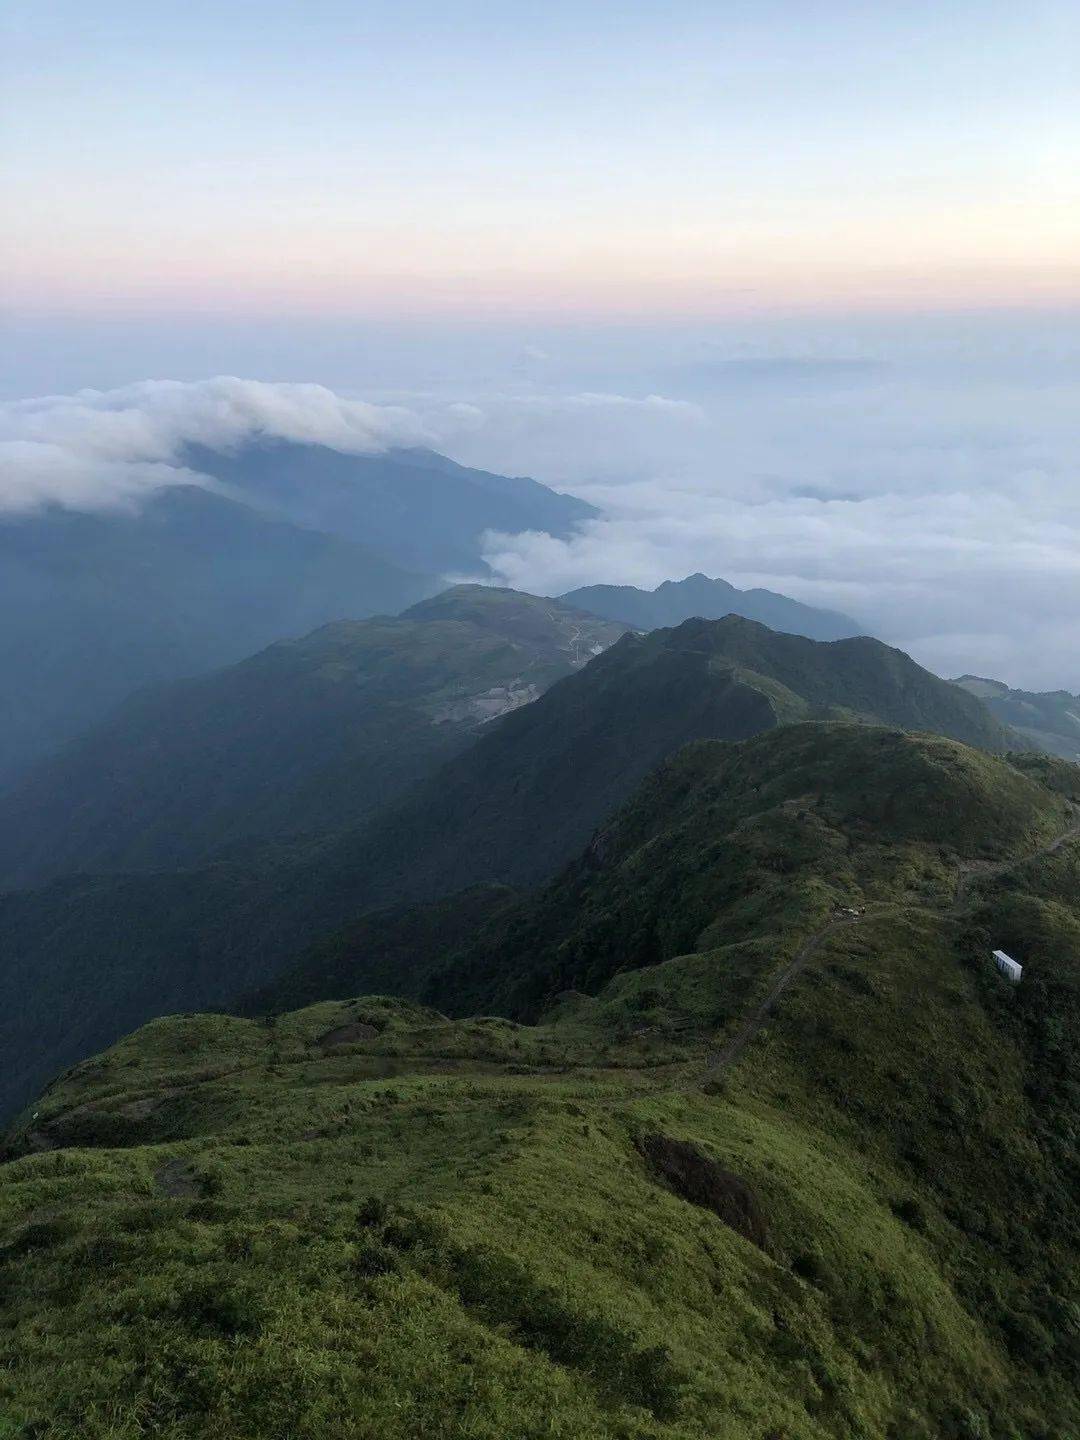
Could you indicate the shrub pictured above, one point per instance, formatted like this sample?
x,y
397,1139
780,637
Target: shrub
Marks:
x,y
43,1235
697,1178
372,1211
217,1305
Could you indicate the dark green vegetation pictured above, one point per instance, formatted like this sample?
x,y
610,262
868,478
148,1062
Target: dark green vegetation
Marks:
x,y
601,916
1050,719
89,958
309,736
366,1220
392,950
418,508
96,606
677,600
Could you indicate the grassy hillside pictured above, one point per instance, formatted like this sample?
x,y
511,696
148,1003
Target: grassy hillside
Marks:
x,y
90,958
308,736
714,832
657,1214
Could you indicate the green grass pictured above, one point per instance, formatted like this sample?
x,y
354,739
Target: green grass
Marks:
x,y
521,1273
231,1227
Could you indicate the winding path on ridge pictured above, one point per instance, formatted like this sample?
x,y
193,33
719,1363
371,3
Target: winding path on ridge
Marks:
x,y
720,1060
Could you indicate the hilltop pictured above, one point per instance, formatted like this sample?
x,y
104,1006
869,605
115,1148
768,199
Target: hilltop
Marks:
x,y
697,596
366,1219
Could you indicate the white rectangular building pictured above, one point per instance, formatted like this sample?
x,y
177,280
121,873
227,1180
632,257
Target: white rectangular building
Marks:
x,y
1008,966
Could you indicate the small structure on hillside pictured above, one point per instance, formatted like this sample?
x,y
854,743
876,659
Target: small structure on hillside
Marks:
x,y
1008,966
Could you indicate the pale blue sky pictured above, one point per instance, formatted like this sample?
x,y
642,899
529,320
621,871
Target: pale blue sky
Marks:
x,y
410,160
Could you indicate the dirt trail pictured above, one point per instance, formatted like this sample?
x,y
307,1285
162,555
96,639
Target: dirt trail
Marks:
x,y
720,1060
970,872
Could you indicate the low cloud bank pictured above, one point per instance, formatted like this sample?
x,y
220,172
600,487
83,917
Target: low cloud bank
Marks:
x,y
102,448
941,506
99,449
942,510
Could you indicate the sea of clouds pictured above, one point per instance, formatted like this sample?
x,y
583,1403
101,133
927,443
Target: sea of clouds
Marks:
x,y
937,500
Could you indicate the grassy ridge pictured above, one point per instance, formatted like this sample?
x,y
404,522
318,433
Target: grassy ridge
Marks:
x,y
468,1246
719,843
365,1219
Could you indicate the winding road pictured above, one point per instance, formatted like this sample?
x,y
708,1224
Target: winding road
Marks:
x,y
720,1060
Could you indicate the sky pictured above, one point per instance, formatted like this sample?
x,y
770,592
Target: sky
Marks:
x,y
398,158
790,289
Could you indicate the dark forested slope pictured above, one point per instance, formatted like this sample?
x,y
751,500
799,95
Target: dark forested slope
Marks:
x,y
309,736
97,605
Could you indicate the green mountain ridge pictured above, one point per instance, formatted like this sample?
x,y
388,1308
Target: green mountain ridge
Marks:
x,y
308,736
89,957
593,920
654,1215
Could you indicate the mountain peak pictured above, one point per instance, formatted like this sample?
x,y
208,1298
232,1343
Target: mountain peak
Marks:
x,y
710,599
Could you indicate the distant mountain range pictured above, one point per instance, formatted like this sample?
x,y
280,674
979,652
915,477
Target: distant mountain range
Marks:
x,y
98,605
1050,720
290,536
677,600
308,736
313,735
416,508
88,957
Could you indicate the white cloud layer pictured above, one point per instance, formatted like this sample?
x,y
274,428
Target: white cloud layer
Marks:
x,y
942,512
937,502
100,448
